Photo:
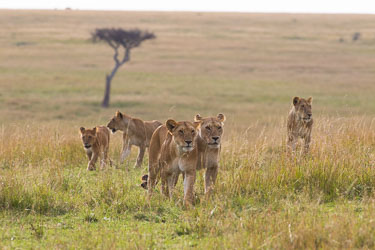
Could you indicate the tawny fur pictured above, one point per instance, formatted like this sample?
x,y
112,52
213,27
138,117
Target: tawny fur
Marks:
x,y
300,123
209,146
96,144
136,132
170,155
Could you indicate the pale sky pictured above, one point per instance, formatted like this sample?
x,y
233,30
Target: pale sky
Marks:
x,y
305,6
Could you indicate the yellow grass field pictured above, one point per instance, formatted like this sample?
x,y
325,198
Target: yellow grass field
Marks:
x,y
247,66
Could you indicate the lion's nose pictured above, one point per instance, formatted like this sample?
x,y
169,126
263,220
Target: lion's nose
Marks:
x,y
215,138
188,142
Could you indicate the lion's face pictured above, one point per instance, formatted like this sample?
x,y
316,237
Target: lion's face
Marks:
x,y
211,129
184,134
88,137
303,108
115,123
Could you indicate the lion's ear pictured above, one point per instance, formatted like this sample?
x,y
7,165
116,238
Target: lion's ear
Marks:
x,y
221,117
309,100
82,129
295,100
119,114
198,117
94,129
171,125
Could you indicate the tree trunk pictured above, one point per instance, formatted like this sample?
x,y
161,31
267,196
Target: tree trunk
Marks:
x,y
107,91
105,102
108,79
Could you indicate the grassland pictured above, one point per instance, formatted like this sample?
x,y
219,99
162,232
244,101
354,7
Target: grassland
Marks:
x,y
248,66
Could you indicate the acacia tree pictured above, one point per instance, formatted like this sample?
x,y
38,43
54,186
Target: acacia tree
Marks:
x,y
122,41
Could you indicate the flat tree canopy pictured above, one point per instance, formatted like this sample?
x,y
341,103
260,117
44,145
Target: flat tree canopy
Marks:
x,y
120,37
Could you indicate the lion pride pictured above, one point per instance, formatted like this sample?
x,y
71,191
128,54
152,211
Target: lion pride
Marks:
x,y
300,123
173,150
135,132
96,144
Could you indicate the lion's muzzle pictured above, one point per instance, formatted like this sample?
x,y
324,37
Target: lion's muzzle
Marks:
x,y
307,118
187,148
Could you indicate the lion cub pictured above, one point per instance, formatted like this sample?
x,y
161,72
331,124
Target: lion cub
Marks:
x,y
96,143
135,132
173,150
209,145
300,123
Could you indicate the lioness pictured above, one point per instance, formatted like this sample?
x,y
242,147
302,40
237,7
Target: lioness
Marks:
x,y
173,150
209,145
135,132
300,122
96,143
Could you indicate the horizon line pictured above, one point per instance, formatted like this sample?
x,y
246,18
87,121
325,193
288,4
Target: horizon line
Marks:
x,y
195,11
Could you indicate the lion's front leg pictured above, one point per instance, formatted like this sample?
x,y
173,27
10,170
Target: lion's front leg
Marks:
x,y
89,155
164,183
91,164
176,179
210,178
104,159
307,144
189,187
292,141
172,181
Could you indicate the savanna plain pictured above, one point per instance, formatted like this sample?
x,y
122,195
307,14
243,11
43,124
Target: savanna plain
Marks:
x,y
247,66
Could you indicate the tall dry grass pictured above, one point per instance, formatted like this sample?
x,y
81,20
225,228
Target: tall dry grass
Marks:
x,y
340,163
264,197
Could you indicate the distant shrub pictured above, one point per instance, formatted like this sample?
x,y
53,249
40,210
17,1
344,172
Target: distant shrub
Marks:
x,y
356,36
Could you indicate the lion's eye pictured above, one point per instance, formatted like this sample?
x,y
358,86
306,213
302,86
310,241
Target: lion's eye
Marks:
x,y
181,132
192,131
208,128
219,127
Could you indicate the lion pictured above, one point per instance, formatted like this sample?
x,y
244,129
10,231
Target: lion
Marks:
x,y
173,150
209,146
96,144
300,123
135,132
